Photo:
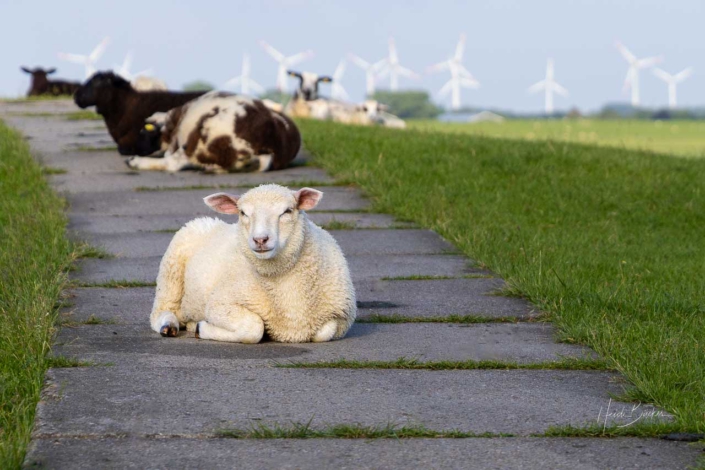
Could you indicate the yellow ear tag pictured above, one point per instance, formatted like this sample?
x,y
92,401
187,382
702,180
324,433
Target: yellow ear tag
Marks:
x,y
149,127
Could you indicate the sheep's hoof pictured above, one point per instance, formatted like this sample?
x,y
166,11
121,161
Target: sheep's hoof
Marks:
x,y
198,331
169,331
128,162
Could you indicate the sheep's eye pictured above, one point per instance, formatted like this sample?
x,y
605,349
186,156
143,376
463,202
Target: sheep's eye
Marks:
x,y
288,211
242,214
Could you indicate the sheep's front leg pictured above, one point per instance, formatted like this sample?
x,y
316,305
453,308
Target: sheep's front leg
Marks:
x,y
146,163
327,332
230,323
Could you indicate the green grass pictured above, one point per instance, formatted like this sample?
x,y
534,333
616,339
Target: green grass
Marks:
x,y
30,99
34,256
67,362
88,148
649,428
53,171
86,250
116,284
608,241
334,224
347,431
567,363
463,319
683,138
83,116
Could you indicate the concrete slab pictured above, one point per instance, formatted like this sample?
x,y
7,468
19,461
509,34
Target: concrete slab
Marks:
x,y
433,298
355,242
191,203
76,181
126,344
525,453
96,224
362,267
136,399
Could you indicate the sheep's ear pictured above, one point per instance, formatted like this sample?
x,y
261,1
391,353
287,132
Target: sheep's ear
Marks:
x,y
51,70
222,202
293,74
325,79
307,198
26,70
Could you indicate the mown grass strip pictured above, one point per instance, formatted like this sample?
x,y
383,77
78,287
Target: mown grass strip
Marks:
x,y
83,116
220,187
348,431
646,428
53,171
607,241
462,319
115,284
89,148
34,257
63,362
568,363
86,250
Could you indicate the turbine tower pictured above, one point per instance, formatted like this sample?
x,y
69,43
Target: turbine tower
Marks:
x,y
243,80
337,90
88,61
549,85
124,69
370,71
459,75
632,78
672,81
390,66
285,63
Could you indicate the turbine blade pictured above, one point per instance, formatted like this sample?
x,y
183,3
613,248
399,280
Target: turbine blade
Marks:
x,y
339,71
446,88
648,62
538,86
662,74
276,55
99,50
359,61
256,86
127,63
439,67
393,56
683,74
469,83
460,48
75,58
559,89
300,57
628,79
404,72
626,53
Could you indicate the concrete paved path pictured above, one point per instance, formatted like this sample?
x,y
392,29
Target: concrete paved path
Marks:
x,y
152,402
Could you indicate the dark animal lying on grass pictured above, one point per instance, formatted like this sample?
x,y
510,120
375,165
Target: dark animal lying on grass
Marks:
x,y
123,108
41,85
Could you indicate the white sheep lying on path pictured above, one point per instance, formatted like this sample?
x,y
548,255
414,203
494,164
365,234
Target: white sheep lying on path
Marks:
x,y
274,271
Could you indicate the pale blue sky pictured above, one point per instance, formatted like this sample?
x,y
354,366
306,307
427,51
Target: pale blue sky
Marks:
x,y
508,42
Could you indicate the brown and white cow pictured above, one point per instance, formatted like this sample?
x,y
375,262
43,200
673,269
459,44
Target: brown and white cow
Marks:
x,y
220,132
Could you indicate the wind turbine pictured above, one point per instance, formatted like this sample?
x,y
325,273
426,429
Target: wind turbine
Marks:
x,y
244,80
285,63
459,75
337,91
124,69
88,61
390,66
370,71
632,78
672,81
549,85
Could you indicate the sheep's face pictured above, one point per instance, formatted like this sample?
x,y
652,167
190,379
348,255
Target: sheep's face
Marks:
x,y
270,215
308,84
372,109
101,88
150,139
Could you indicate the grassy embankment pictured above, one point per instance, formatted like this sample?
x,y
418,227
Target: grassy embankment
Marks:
x,y
682,138
34,257
608,241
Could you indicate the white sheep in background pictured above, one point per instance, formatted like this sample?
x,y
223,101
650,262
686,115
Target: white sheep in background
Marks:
x,y
274,271
143,83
